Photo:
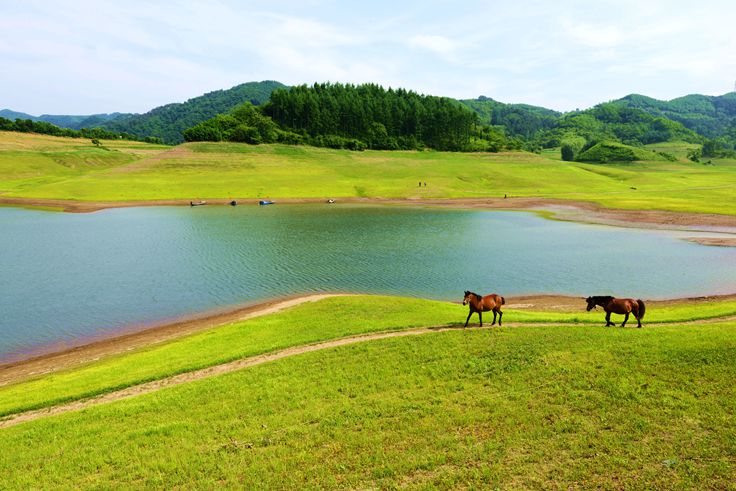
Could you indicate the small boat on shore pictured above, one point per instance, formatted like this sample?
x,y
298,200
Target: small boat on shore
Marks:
x,y
266,202
330,201
233,203
197,203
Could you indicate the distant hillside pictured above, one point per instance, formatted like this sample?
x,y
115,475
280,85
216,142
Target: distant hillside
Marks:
x,y
711,116
520,120
74,122
169,122
12,115
632,126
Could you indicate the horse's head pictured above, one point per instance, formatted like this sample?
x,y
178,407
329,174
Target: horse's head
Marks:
x,y
466,299
591,303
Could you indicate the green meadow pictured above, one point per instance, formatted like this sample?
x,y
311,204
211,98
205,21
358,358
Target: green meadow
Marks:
x,y
329,319
528,405
35,166
549,400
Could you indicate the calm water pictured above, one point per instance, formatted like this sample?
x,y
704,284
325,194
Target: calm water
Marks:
x,y
66,277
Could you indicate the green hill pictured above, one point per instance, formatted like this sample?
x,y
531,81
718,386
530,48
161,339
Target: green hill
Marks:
x,y
169,122
74,122
519,120
711,116
617,152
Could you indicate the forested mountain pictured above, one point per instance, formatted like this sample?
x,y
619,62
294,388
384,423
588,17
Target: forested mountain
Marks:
x,y
711,116
616,121
382,118
355,117
519,120
74,122
169,122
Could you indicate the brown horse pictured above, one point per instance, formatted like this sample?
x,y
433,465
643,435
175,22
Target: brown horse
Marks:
x,y
480,304
623,306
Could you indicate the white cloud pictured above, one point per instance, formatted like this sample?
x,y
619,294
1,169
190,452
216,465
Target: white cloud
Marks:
x,y
83,56
439,45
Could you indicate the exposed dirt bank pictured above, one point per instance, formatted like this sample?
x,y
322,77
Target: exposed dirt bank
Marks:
x,y
578,211
67,358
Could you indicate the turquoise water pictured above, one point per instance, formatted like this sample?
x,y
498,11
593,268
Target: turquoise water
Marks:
x,y
67,277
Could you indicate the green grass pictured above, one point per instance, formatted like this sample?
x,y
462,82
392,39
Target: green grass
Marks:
x,y
678,149
131,171
531,407
327,319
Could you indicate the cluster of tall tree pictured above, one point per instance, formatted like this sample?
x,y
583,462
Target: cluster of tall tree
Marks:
x,y
381,118
45,128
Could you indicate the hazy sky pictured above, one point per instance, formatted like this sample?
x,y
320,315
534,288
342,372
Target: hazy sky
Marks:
x,y
82,57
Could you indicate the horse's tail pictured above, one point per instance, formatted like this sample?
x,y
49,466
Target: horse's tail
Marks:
x,y
642,308
503,301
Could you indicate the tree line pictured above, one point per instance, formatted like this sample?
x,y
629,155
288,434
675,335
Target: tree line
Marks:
x,y
355,117
45,128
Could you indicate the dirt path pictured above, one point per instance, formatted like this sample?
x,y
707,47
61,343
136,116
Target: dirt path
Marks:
x,y
182,378
232,366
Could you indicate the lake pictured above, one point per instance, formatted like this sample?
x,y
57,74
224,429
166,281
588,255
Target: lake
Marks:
x,y
69,277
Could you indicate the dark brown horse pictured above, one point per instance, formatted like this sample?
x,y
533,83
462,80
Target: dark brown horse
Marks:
x,y
480,304
623,306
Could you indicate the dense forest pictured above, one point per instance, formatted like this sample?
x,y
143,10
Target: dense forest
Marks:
x,y
710,116
355,117
382,119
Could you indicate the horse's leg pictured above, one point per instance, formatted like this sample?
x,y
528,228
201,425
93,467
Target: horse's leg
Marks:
x,y
500,316
480,317
468,319
626,318
494,318
608,319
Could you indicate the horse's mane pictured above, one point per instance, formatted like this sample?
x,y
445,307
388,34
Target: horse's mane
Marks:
x,y
479,297
602,298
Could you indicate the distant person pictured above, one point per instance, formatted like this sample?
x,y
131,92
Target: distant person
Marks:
x,y
425,184
420,183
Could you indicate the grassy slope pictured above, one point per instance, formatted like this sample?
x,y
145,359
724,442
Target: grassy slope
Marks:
x,y
206,170
327,319
513,407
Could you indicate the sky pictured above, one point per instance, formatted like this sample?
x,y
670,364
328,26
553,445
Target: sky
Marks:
x,y
85,57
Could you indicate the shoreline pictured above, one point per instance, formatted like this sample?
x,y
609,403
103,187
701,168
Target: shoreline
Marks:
x,y
23,369
50,359
559,209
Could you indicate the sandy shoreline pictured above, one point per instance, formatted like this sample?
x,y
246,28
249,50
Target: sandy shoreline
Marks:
x,y
568,210
135,339
78,355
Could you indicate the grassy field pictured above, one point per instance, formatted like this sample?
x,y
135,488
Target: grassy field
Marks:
x,y
328,319
567,406
46,167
